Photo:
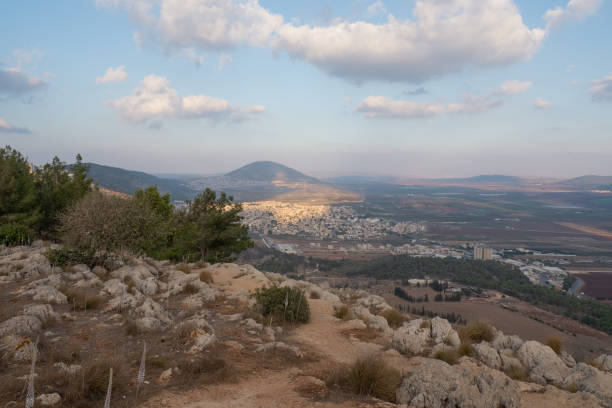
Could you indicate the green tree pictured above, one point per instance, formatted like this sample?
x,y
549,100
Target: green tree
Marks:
x,y
159,203
212,226
18,193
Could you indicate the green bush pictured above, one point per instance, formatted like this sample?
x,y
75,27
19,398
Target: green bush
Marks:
x,y
70,256
15,234
288,304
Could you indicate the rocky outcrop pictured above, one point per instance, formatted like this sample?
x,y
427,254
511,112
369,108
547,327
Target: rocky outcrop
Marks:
x,y
501,342
593,381
435,384
411,338
605,361
545,366
151,315
25,325
46,294
44,313
488,355
443,332
376,322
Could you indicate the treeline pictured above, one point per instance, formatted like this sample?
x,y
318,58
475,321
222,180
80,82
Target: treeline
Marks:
x,y
486,275
57,201
451,317
272,260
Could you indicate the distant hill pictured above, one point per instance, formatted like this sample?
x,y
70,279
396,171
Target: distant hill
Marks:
x,y
267,171
128,181
589,181
485,178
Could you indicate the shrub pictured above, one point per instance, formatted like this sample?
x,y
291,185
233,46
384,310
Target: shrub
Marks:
x,y
206,277
95,377
183,267
573,388
81,299
288,304
157,361
466,349
131,328
70,256
518,374
478,332
315,295
342,312
555,343
369,376
449,356
425,324
191,289
394,318
15,234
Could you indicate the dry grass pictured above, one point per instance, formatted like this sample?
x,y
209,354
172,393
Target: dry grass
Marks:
x,y
342,312
573,388
191,289
594,363
157,361
425,324
183,268
81,299
206,277
555,343
518,374
368,376
394,318
466,349
477,332
449,356
131,328
315,295
206,369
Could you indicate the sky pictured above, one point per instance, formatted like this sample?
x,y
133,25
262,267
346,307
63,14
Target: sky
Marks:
x,y
412,88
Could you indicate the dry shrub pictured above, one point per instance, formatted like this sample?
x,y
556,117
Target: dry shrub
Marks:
x,y
425,324
157,361
594,363
368,376
342,312
81,299
477,332
95,376
206,277
573,388
518,373
394,318
315,295
200,264
184,332
131,328
449,356
251,313
183,267
191,289
466,349
555,343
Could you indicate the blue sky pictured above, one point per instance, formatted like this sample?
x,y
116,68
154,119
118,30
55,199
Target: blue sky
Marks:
x,y
415,88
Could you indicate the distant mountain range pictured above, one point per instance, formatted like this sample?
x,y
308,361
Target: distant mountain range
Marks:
x,y
128,181
589,181
269,172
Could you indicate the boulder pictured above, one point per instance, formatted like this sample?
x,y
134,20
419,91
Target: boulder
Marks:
x,y
545,366
501,342
443,332
114,287
488,355
435,384
605,361
121,303
509,361
44,313
19,349
47,400
411,339
567,359
377,323
355,324
279,345
25,325
593,381
152,309
201,340
47,294
251,324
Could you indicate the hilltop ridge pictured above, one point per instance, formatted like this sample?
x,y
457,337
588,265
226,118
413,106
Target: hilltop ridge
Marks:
x,y
268,171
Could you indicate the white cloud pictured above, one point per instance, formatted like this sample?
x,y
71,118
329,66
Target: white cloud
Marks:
x,y
155,100
475,104
575,10
224,61
15,82
514,87
445,36
195,57
601,89
376,8
6,127
113,75
381,107
541,104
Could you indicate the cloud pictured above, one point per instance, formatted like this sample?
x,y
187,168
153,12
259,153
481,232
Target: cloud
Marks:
x,y
417,91
376,8
224,61
444,36
541,104
601,89
6,127
113,75
381,107
15,82
193,56
155,100
514,87
576,10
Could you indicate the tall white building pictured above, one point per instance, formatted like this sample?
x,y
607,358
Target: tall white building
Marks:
x,y
483,253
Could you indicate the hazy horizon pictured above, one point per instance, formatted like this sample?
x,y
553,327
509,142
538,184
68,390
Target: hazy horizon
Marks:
x,y
423,88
